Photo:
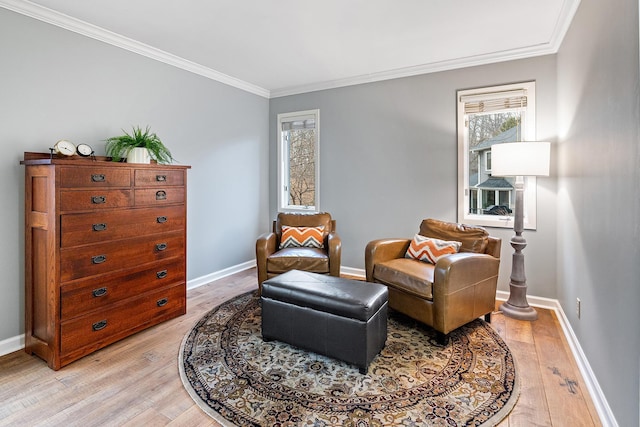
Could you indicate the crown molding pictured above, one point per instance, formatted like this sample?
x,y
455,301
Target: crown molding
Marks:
x,y
27,8
569,8
61,20
568,11
433,67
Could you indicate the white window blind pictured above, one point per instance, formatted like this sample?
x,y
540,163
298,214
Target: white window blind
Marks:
x,y
495,101
299,124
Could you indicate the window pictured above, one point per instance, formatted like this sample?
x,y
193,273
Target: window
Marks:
x,y
298,160
487,161
488,116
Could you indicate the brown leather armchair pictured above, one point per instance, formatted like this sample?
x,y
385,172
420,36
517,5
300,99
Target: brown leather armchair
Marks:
x,y
273,260
456,290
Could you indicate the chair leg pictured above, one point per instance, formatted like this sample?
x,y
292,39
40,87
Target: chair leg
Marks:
x,y
441,338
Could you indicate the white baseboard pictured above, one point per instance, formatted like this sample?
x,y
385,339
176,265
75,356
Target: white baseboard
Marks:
x,y
349,271
216,275
548,303
600,402
607,418
11,344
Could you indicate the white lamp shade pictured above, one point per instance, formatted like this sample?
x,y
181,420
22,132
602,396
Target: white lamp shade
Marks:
x,y
520,159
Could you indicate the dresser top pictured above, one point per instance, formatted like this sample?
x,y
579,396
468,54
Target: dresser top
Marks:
x,y
49,159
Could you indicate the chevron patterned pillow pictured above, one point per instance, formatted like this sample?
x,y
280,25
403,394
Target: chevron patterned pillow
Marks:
x,y
431,250
296,237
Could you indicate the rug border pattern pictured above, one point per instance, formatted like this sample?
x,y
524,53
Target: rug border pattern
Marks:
x,y
216,411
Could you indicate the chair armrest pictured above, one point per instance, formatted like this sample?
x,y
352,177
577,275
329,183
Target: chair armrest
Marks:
x,y
464,288
334,249
383,250
458,271
265,246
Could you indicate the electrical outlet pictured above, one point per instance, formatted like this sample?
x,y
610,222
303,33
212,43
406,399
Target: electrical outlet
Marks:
x,y
578,302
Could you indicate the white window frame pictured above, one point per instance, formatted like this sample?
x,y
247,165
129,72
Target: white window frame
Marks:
x,y
487,158
283,162
528,129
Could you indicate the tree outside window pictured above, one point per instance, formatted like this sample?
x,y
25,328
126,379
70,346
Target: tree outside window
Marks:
x,y
302,167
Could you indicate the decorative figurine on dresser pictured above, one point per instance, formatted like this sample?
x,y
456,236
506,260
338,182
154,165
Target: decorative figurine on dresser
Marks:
x,y
105,250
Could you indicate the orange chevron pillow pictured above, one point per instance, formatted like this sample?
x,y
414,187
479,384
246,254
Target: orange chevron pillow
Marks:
x,y
296,237
431,250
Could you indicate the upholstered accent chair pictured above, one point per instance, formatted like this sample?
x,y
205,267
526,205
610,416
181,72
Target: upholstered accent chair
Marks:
x,y
448,293
298,241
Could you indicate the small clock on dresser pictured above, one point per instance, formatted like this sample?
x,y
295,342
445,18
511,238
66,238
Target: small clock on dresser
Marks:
x,y
64,147
84,150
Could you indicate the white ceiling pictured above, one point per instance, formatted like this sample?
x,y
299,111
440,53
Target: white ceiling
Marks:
x,y
281,47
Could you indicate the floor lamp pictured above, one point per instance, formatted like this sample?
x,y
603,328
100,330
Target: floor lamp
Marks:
x,y
519,159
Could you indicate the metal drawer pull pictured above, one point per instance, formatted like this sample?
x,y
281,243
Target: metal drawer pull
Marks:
x,y
99,325
161,219
161,246
97,200
98,177
162,302
99,227
100,292
161,195
98,259
161,274
161,178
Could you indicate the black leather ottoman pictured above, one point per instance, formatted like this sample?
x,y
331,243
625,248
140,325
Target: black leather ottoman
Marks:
x,y
340,318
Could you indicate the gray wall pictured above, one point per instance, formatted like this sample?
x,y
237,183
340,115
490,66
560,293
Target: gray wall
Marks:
x,y
56,84
388,159
599,195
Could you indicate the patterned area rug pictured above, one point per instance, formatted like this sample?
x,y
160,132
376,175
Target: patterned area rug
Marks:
x,y
238,379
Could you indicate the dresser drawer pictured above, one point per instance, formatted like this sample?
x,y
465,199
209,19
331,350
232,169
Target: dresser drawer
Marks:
x,y
85,295
157,177
94,227
159,196
94,177
99,328
85,261
72,200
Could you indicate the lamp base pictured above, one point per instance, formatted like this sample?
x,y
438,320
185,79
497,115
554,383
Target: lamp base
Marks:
x,y
520,313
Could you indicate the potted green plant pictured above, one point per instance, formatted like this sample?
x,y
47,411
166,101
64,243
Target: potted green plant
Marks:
x,y
138,147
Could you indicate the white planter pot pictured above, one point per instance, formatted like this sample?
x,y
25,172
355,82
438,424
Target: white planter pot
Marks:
x,y
138,155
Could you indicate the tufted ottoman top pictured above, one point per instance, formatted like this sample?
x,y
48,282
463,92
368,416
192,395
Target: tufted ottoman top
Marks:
x,y
343,297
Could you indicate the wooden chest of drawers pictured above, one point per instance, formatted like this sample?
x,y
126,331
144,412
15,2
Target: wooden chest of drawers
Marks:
x,y
105,252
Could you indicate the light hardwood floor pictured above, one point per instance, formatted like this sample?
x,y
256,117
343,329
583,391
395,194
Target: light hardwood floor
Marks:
x,y
135,382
